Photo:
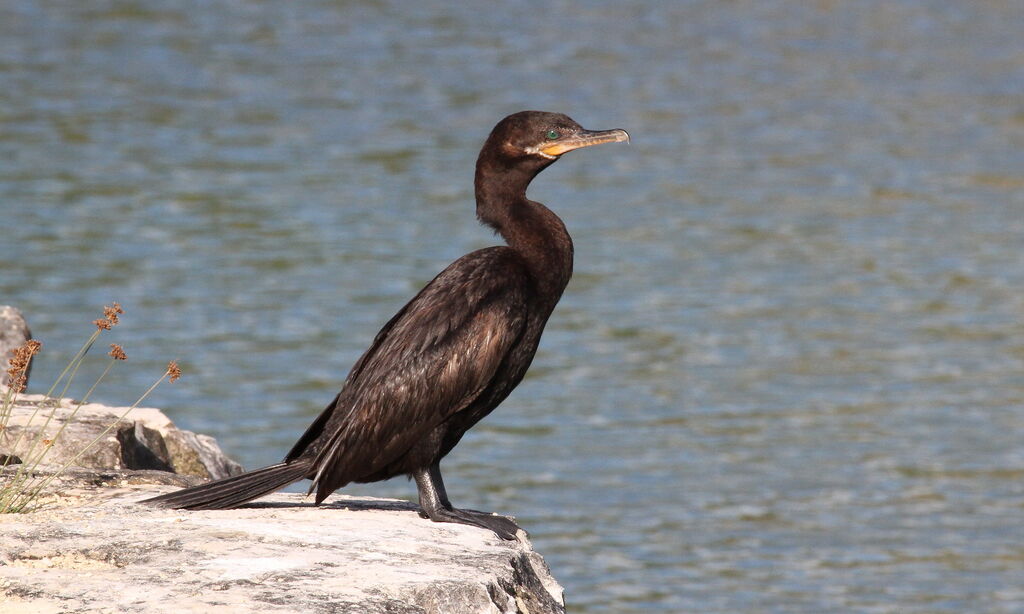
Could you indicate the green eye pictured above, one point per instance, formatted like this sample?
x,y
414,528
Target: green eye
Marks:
x,y
552,134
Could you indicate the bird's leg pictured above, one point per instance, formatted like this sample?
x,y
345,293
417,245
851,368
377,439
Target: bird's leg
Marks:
x,y
431,487
434,505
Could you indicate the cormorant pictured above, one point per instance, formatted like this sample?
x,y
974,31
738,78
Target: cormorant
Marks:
x,y
451,355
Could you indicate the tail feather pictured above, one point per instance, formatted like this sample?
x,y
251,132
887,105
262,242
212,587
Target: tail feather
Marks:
x,y
235,490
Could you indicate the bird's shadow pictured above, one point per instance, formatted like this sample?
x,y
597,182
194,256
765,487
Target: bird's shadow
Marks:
x,y
356,505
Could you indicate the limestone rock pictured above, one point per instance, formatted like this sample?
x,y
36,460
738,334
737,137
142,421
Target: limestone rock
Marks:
x,y
14,333
144,439
94,550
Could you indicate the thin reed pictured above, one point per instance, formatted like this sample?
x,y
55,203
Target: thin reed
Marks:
x,y
21,488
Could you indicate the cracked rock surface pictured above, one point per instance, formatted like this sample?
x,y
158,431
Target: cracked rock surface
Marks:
x,y
93,549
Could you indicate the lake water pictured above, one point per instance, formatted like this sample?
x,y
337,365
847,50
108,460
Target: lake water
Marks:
x,y
788,375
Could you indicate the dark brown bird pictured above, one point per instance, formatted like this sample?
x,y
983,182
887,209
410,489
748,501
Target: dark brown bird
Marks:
x,y
451,355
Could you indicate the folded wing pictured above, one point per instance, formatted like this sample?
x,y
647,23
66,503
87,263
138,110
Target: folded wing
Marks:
x,y
432,360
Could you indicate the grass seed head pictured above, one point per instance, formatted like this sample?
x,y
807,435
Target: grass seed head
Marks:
x,y
173,370
111,313
19,364
117,352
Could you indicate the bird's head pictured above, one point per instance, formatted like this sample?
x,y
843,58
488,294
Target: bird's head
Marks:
x,y
520,146
537,138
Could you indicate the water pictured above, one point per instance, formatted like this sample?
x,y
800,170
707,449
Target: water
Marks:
x,y
788,375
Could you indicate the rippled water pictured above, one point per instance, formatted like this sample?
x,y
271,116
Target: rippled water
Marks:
x,y
788,375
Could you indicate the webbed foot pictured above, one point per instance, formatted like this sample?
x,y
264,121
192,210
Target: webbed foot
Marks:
x,y
434,505
502,526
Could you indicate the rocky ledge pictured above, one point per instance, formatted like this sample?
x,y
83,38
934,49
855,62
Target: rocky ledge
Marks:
x,y
143,439
92,548
98,551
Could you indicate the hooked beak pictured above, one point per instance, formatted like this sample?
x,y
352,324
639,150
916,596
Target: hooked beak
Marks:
x,y
584,138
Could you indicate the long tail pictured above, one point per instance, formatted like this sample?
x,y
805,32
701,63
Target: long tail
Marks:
x,y
236,490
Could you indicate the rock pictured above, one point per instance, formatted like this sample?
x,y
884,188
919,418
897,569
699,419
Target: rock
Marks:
x,y
14,333
94,550
144,439
86,546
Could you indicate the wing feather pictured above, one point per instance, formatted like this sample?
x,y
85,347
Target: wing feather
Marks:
x,y
432,360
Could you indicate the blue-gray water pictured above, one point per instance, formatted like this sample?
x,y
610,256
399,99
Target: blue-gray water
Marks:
x,y
788,375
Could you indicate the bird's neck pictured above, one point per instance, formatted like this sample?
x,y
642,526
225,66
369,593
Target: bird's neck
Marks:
x,y
530,228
